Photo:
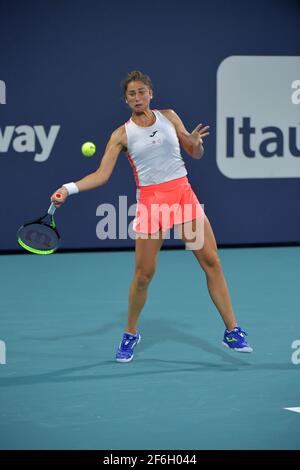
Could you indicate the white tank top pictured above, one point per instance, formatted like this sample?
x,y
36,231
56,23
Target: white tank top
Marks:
x,y
154,151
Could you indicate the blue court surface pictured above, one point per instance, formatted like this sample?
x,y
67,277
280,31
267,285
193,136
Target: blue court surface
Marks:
x,y
62,318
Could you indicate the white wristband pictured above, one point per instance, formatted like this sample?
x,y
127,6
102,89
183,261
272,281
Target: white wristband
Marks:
x,y
71,188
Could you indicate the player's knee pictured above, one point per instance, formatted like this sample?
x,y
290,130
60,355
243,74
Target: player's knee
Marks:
x,y
212,263
143,276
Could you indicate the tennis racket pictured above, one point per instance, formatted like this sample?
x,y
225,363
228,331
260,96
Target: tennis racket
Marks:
x,y
40,236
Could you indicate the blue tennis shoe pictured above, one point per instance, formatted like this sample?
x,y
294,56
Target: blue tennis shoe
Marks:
x,y
235,339
127,345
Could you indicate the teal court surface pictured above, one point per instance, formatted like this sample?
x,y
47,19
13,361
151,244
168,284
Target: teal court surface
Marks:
x,y
62,318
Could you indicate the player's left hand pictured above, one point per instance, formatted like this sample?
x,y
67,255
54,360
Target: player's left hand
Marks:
x,y
196,137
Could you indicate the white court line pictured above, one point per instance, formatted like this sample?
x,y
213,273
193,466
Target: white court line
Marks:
x,y
296,409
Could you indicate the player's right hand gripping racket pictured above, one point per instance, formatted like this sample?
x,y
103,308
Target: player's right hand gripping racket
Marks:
x,y
40,236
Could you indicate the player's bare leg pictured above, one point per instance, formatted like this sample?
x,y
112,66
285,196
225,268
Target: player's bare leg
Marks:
x,y
208,258
146,251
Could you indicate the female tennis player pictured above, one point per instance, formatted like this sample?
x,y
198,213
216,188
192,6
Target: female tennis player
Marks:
x,y
152,140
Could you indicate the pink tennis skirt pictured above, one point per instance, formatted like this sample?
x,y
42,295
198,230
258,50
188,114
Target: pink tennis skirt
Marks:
x,y
160,206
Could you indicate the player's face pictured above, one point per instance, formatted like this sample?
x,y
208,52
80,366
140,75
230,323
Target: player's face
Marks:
x,y
138,96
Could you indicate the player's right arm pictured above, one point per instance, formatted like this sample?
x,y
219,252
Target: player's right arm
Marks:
x,y
115,145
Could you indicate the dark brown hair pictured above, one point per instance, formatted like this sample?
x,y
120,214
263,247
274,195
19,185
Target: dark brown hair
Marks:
x,y
136,75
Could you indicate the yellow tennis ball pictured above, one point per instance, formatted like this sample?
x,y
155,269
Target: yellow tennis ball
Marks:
x,y
88,149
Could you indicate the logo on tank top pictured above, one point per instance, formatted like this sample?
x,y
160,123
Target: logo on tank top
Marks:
x,y
155,140
153,134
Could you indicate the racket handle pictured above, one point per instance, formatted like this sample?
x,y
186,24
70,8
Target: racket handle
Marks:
x,y
51,209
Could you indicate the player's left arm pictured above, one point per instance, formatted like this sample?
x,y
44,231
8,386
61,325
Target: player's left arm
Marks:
x,y
191,142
